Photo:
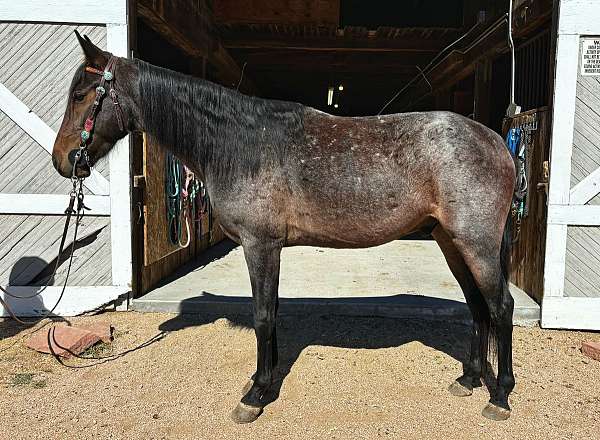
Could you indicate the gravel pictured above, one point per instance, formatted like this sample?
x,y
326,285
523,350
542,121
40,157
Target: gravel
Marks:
x,y
340,378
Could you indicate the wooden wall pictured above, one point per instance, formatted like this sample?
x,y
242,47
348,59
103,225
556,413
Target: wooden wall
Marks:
x,y
529,251
582,262
37,63
160,258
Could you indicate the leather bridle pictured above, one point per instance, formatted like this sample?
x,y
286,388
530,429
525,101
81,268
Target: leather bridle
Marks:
x,y
106,80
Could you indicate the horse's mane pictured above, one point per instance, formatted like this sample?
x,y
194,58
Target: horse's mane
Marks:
x,y
217,128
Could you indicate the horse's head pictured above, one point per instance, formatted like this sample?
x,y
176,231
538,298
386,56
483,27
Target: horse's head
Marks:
x,y
99,110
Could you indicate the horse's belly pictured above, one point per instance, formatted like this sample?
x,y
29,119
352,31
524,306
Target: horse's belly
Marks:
x,y
352,230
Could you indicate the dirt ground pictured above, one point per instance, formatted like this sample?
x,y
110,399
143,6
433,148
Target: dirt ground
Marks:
x,y
343,378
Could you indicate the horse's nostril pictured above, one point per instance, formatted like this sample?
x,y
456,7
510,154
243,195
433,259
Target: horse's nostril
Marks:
x,y
72,155
54,163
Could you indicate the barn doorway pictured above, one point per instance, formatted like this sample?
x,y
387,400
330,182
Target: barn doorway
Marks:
x,y
343,57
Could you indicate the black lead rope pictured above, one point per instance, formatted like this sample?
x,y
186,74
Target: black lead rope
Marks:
x,y
76,194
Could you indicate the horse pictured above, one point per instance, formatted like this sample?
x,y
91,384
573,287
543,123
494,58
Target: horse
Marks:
x,y
283,174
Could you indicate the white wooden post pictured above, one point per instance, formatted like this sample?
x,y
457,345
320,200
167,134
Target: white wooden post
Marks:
x,y
120,179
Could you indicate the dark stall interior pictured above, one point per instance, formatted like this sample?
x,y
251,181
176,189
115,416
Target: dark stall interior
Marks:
x,y
349,58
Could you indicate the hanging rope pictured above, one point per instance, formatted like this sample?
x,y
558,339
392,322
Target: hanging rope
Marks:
x,y
187,202
519,141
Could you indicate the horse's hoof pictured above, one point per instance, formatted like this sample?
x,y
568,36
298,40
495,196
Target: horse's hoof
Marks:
x,y
245,413
496,413
247,387
459,390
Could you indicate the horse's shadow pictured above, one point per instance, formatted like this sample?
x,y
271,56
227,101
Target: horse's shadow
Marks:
x,y
35,272
295,333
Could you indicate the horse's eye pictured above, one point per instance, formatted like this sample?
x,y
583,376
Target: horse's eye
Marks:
x,y
78,96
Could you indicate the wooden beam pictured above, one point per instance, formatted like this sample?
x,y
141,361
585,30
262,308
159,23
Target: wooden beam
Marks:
x,y
483,91
64,11
341,44
50,204
587,189
459,64
333,61
579,215
117,42
323,12
188,26
75,301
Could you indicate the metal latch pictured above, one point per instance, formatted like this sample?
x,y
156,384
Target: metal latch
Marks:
x,y
139,181
543,185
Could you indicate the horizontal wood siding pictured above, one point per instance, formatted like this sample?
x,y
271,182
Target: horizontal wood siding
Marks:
x,y
29,247
582,270
37,64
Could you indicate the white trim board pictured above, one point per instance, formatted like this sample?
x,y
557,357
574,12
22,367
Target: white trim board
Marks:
x,y
40,132
76,300
554,265
64,11
563,118
577,215
120,176
579,17
572,313
586,189
50,204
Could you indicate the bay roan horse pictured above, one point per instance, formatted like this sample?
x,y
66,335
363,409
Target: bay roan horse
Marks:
x,y
282,174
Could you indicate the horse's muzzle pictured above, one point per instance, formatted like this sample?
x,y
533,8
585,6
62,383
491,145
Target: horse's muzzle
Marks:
x,y
82,169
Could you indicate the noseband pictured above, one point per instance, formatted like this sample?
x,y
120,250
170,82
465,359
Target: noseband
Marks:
x,y
107,77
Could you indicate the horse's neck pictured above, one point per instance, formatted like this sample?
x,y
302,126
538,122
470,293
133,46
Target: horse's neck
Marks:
x,y
182,114
216,131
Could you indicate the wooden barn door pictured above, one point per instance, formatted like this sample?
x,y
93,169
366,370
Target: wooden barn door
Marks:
x,y
572,267
38,57
529,248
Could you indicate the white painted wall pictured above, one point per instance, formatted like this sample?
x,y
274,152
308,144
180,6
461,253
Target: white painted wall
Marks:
x,y
566,205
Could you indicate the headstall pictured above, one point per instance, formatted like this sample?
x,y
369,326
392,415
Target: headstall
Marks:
x,y
106,79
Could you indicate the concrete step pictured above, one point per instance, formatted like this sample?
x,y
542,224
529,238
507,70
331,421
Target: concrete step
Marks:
x,y
398,279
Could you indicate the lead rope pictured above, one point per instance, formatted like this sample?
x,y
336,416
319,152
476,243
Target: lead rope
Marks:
x,y
519,141
180,193
76,194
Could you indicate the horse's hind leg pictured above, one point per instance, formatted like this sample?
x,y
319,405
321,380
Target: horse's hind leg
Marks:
x,y
263,266
482,254
473,367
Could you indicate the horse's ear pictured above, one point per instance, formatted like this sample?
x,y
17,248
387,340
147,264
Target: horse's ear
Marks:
x,y
93,54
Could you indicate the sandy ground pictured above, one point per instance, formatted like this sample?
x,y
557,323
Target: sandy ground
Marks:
x,y
345,378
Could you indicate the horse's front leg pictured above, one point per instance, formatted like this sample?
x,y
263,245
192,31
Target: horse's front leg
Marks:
x,y
263,265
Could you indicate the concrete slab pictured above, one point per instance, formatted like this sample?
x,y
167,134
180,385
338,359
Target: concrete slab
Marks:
x,y
398,279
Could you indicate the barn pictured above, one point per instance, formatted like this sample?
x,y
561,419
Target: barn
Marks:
x,y
341,56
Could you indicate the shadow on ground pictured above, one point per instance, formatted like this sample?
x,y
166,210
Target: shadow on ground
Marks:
x,y
295,333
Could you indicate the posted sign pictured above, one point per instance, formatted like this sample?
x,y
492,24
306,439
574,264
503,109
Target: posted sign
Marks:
x,y
590,57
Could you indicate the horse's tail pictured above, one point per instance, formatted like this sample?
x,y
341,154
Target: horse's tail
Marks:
x,y
488,339
506,248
